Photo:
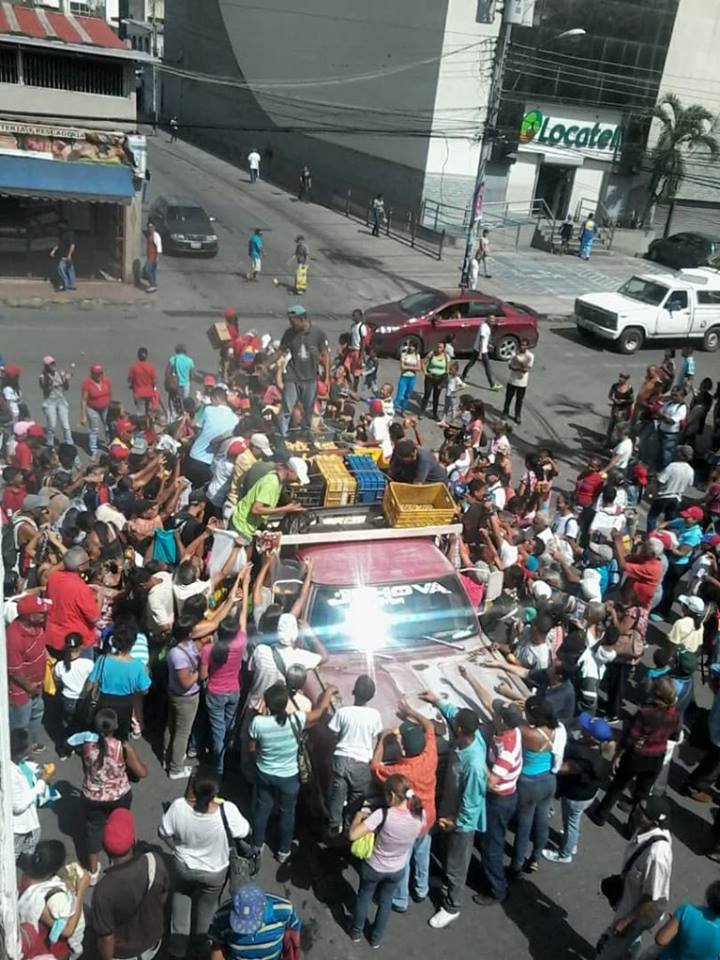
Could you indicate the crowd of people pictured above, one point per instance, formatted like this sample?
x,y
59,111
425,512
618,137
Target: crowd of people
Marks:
x,y
140,605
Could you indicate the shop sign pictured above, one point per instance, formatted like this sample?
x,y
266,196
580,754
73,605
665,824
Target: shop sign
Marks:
x,y
63,143
601,138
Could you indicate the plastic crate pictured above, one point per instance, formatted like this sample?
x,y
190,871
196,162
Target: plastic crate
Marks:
x,y
312,495
418,505
340,484
370,481
375,453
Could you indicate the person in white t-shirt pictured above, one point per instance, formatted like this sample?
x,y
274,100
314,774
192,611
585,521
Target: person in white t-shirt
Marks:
x,y
357,728
70,675
481,351
378,430
254,165
519,375
622,451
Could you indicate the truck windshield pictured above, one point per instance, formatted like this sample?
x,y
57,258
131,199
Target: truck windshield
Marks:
x,y
418,304
396,616
644,290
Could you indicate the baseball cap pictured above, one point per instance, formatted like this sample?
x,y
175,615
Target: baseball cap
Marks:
x,y
34,501
96,368
297,310
510,714
541,590
300,468
139,447
47,360
29,605
665,538
714,541
412,737
248,909
692,513
590,584
236,447
12,371
118,452
598,728
35,430
119,832
376,406
656,809
209,380
260,441
198,495
124,426
694,604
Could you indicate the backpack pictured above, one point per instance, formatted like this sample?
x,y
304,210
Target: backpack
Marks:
x,y
11,552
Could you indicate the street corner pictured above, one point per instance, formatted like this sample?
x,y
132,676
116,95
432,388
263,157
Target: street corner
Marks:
x,y
36,295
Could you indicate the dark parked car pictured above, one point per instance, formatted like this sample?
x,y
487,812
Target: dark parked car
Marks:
x,y
429,316
184,226
684,250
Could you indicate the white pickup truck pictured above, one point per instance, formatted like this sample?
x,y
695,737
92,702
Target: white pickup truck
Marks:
x,y
662,306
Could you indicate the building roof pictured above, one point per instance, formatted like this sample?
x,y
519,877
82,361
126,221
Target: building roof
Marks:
x,y
36,26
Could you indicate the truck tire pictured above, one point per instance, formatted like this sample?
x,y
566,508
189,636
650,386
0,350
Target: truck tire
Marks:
x,y
711,340
406,342
630,340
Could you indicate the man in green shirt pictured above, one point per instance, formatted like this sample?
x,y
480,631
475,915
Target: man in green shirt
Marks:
x,y
261,500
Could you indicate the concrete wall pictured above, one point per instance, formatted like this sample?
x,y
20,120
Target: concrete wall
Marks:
x,y
588,183
522,177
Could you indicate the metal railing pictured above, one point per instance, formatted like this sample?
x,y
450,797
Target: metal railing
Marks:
x,y
495,214
606,225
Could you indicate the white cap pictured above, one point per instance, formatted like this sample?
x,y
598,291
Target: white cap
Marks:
x,y
590,584
300,468
694,604
287,629
541,590
260,441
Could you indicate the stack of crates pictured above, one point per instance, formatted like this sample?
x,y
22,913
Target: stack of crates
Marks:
x,y
313,494
340,484
370,481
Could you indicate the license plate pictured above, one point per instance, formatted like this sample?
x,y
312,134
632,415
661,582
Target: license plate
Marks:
x,y
195,245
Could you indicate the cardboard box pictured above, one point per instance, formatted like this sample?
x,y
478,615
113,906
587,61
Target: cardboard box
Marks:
x,y
218,335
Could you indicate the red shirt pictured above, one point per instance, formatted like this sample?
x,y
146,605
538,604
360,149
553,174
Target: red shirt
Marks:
x,y
22,457
142,379
421,771
644,578
12,500
26,657
74,609
587,486
99,394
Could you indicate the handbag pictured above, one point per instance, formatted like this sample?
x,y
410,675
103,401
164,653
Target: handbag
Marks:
x,y
363,847
613,886
243,862
88,706
171,380
630,646
303,754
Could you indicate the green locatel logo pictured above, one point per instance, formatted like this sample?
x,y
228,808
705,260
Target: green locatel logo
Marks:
x,y
531,124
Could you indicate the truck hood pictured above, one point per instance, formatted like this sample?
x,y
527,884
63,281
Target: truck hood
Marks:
x,y
617,303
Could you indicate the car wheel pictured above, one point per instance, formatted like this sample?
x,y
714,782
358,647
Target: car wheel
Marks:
x,y
407,342
506,347
630,340
711,340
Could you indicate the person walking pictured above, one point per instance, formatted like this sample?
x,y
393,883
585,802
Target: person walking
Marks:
x,y
254,164
301,256
306,347
95,399
305,190
174,129
396,827
377,213
255,252
642,898
25,641
483,252
198,825
54,384
620,399
566,232
587,236
275,739
519,366
107,763
692,933
469,776
128,903
481,351
24,797
435,366
178,372
64,250
254,925
153,249
142,380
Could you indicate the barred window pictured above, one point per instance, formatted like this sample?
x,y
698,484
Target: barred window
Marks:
x,y
81,74
8,65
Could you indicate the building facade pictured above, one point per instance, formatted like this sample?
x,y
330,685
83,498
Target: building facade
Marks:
x,y
69,148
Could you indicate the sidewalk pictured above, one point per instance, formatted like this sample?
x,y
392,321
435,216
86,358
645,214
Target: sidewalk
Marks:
x,y
90,293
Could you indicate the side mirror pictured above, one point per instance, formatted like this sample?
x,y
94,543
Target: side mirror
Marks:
x,y
433,319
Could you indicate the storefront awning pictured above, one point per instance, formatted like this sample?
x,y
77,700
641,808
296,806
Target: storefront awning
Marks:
x,y
65,180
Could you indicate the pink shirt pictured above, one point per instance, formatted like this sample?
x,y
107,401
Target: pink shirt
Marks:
x,y
225,679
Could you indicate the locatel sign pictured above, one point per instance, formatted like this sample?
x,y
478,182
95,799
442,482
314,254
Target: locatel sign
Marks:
x,y
539,129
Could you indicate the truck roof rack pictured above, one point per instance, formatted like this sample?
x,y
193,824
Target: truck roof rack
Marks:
x,y
345,534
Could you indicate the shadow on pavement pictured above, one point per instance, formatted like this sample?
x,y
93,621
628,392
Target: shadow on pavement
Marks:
x,y
545,924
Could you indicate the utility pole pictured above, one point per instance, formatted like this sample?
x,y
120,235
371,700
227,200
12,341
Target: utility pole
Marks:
x,y
153,21
489,137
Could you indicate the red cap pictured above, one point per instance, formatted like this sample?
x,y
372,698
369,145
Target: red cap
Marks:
x,y
209,380
119,832
665,538
693,513
118,452
96,368
236,447
124,426
26,606
714,541
12,371
230,314
35,430
376,406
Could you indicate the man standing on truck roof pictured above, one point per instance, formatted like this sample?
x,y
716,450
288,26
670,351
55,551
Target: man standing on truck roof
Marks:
x,y
261,500
307,347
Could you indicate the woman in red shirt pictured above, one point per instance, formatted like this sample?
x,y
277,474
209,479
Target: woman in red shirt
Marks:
x,y
142,380
95,397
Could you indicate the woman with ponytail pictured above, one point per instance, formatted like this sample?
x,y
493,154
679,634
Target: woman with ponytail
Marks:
x,y
106,784
396,827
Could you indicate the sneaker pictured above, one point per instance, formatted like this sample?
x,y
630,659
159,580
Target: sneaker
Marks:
x,y
531,865
554,856
496,387
282,856
191,753
485,900
180,774
442,918
356,936
699,795
39,748
95,876
396,909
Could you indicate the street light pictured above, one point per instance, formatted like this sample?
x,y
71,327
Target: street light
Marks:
x,y
575,32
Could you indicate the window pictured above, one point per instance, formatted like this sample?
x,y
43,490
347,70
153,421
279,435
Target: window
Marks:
x,y
677,300
480,309
82,74
708,298
455,311
8,65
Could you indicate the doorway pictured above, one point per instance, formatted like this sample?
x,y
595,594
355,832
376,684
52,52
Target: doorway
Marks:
x,y
554,186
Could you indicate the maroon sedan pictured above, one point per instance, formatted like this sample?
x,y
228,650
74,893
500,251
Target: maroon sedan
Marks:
x,y
427,317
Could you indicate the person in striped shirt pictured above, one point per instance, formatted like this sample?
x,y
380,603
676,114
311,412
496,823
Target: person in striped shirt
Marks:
x,y
253,925
504,766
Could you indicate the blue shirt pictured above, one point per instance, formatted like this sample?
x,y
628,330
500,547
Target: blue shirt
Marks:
x,y
120,678
277,746
217,422
687,536
471,777
266,943
698,936
182,364
255,247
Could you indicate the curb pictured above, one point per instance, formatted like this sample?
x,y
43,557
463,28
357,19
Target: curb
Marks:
x,y
37,303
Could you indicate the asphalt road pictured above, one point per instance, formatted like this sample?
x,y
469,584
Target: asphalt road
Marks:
x,y
559,911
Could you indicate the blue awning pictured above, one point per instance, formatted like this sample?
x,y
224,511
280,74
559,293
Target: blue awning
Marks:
x,y
65,180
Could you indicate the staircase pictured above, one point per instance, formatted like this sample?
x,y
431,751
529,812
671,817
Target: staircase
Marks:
x,y
547,233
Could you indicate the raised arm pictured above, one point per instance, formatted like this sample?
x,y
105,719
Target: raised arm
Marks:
x,y
299,605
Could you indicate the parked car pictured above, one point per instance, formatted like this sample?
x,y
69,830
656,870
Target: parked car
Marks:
x,y
655,306
427,317
184,226
684,250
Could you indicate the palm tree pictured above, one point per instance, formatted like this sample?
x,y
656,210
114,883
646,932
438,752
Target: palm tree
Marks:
x,y
684,130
